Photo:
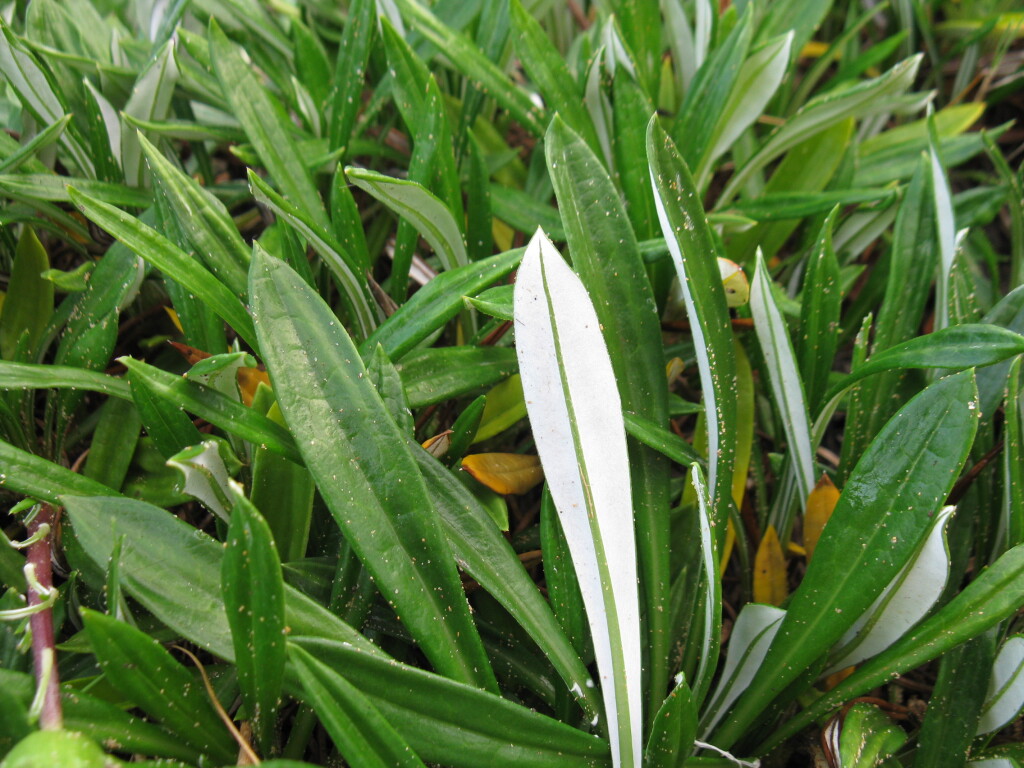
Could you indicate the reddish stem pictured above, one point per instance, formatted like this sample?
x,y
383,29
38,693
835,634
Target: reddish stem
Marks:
x,y
50,718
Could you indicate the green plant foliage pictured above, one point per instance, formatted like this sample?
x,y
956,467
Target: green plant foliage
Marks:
x,y
270,272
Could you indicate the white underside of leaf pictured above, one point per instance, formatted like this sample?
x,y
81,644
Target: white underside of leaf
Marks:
x,y
574,409
751,636
903,603
1005,688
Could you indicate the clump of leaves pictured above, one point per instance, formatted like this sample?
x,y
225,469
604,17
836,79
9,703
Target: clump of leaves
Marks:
x,y
301,476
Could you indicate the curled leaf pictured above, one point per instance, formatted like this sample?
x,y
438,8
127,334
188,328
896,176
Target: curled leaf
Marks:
x,y
505,473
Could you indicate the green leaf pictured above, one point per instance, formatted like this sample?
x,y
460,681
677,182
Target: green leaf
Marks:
x,y
675,728
266,124
548,69
992,597
756,82
661,439
113,443
168,426
868,736
30,475
786,387
103,721
820,309
693,251
436,303
902,478
862,100
39,93
32,376
174,571
215,407
346,269
171,260
140,669
458,725
573,402
360,732
951,719
254,604
150,100
485,554
960,346
422,208
355,451
470,61
350,71
203,218
437,374
29,301
45,138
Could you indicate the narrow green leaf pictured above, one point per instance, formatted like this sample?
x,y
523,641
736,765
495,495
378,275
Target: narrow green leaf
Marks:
x,y
350,71
573,402
174,571
140,669
433,375
458,725
548,69
171,260
166,423
661,439
30,475
28,304
899,482
215,407
1011,518
203,218
266,125
113,443
820,308
960,346
254,605
675,728
347,270
786,386
475,66
951,719
436,303
693,251
343,427
45,138
419,206
39,93
360,732
756,82
33,376
485,554
150,100
862,100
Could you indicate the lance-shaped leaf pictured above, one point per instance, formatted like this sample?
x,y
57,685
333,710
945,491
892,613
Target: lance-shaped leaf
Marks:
x,y
689,241
357,453
575,411
903,603
787,389
419,206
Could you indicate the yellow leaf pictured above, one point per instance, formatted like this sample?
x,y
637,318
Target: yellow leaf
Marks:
x,y
504,473
820,503
503,234
734,280
174,319
813,49
248,380
770,570
674,369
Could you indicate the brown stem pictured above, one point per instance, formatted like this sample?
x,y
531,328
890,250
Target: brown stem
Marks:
x,y
44,654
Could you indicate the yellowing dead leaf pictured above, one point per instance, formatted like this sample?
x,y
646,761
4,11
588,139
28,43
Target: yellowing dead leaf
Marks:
x,y
248,380
820,503
770,570
504,473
